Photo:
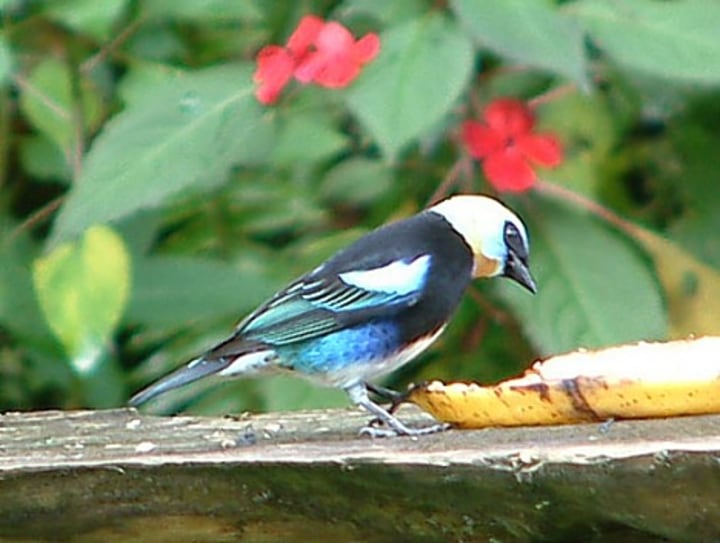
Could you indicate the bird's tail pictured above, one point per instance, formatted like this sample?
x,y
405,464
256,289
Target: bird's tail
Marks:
x,y
190,372
233,357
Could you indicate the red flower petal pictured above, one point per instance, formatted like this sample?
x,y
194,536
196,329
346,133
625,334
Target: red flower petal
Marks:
x,y
543,149
305,34
480,140
275,67
337,76
510,117
335,39
309,67
508,171
331,63
336,63
332,74
366,48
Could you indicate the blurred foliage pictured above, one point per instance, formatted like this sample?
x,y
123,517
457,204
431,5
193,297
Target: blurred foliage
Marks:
x,y
148,201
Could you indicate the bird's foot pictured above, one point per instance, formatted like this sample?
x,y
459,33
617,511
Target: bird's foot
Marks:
x,y
385,424
606,425
373,430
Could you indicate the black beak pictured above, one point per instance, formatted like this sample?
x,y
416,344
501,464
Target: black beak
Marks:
x,y
518,270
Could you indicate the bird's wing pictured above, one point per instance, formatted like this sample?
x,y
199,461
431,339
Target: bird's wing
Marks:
x,y
323,302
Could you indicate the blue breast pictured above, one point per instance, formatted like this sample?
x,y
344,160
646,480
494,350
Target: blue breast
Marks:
x,y
335,352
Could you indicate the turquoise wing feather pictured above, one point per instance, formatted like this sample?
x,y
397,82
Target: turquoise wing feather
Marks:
x,y
316,305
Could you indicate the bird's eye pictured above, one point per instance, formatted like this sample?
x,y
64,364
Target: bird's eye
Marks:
x,y
514,241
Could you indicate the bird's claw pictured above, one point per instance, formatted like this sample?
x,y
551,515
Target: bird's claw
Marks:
x,y
377,432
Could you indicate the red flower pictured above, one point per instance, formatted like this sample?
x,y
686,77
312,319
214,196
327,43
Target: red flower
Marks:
x,y
317,52
508,147
304,35
337,58
275,68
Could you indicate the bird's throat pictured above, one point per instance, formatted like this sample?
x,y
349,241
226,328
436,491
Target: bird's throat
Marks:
x,y
485,267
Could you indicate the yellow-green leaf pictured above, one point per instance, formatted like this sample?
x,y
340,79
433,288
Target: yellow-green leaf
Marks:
x,y
692,288
83,289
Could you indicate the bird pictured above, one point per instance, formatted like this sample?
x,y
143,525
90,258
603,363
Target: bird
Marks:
x,y
372,307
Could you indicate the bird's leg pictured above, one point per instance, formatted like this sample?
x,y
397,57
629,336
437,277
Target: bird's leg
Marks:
x,y
396,398
359,395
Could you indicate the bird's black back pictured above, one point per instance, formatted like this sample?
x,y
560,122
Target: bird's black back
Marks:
x,y
426,233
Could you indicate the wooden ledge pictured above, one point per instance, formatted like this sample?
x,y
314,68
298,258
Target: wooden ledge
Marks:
x,y
118,475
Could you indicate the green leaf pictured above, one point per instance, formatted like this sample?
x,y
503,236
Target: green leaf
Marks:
x,y
159,42
6,62
678,39
104,388
423,67
90,17
142,76
695,230
47,101
82,289
388,13
594,288
589,129
19,311
134,87
206,10
7,7
531,32
44,160
187,132
357,181
307,138
176,292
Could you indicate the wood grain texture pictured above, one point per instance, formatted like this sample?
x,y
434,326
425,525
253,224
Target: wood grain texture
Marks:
x,y
120,476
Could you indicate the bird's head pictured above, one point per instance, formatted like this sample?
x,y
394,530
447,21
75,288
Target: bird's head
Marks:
x,y
496,236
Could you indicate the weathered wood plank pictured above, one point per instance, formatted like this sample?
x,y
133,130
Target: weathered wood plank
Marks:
x,y
121,476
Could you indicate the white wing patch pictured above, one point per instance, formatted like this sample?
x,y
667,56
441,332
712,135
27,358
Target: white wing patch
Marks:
x,y
398,278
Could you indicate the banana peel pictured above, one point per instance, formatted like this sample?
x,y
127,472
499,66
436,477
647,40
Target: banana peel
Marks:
x,y
644,380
